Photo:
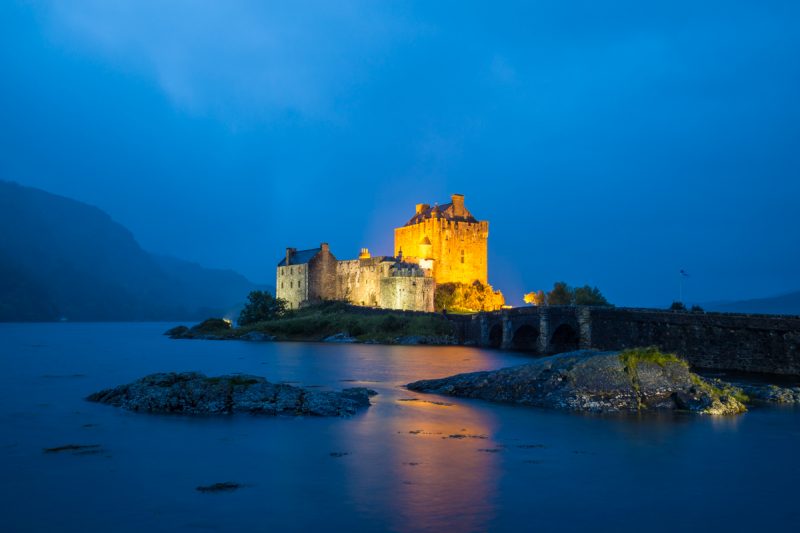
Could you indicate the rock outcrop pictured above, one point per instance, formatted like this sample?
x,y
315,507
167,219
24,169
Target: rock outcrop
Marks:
x,y
431,340
212,329
764,392
342,338
595,382
257,336
195,393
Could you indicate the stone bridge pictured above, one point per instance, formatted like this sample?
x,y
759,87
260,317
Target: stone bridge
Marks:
x,y
752,343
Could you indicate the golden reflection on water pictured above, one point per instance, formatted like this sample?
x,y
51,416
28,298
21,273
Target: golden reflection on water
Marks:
x,y
433,467
428,457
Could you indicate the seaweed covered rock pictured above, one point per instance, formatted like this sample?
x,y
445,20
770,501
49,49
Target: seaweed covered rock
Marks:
x,y
195,393
632,380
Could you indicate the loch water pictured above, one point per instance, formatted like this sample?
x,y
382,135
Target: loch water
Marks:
x,y
411,462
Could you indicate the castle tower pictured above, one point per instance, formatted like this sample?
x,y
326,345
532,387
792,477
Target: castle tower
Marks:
x,y
447,239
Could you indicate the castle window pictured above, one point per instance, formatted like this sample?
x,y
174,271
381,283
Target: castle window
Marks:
x,y
291,284
281,284
462,256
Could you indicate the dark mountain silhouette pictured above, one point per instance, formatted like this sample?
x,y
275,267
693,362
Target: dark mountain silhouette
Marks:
x,y
782,304
60,258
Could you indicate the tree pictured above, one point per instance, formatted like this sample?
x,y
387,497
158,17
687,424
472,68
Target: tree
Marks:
x,y
467,297
561,294
587,295
445,296
677,306
536,298
261,306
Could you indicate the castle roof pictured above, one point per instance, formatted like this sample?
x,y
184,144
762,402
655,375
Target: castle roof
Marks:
x,y
445,211
301,257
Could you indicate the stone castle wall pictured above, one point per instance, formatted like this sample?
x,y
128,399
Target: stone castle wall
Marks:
x,y
368,281
292,284
459,249
322,276
358,281
407,293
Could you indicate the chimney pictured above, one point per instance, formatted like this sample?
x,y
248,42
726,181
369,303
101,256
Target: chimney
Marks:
x,y
421,208
458,205
289,253
325,248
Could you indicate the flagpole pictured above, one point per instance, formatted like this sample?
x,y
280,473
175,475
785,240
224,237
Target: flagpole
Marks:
x,y
681,274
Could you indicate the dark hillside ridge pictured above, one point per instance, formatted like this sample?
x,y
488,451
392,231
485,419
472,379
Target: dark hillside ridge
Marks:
x,y
63,259
782,304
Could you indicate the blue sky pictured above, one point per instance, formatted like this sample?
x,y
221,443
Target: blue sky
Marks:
x,y
608,143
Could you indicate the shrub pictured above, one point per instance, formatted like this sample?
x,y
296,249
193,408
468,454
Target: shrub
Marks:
x,y
587,295
261,306
212,325
354,328
536,298
392,324
561,294
677,306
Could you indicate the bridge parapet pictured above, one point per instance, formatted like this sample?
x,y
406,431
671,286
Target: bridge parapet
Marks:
x,y
755,343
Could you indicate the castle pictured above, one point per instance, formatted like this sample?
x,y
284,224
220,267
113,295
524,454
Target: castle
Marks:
x,y
440,244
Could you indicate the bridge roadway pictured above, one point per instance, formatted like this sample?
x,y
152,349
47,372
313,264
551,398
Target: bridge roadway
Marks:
x,y
724,341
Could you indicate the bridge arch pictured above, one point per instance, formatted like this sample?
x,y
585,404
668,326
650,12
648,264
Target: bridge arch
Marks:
x,y
496,336
565,338
526,338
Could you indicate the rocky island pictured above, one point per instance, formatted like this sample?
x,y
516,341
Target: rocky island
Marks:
x,y
195,393
628,381
329,322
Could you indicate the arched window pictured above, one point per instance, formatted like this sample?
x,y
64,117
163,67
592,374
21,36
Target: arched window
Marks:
x,y
462,257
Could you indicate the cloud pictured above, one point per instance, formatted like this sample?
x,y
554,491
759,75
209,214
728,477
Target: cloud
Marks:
x,y
235,59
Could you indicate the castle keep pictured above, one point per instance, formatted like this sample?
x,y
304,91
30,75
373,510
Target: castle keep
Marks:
x,y
440,244
446,239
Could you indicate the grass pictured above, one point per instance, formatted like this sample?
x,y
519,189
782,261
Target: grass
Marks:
x,y
726,390
328,318
632,357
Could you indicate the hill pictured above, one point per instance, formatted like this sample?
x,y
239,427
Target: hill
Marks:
x,y
782,304
60,258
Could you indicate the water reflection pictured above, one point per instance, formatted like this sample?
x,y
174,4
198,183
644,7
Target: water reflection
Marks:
x,y
432,472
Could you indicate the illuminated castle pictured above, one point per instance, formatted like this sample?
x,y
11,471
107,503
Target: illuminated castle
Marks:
x,y
440,244
446,239
308,276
